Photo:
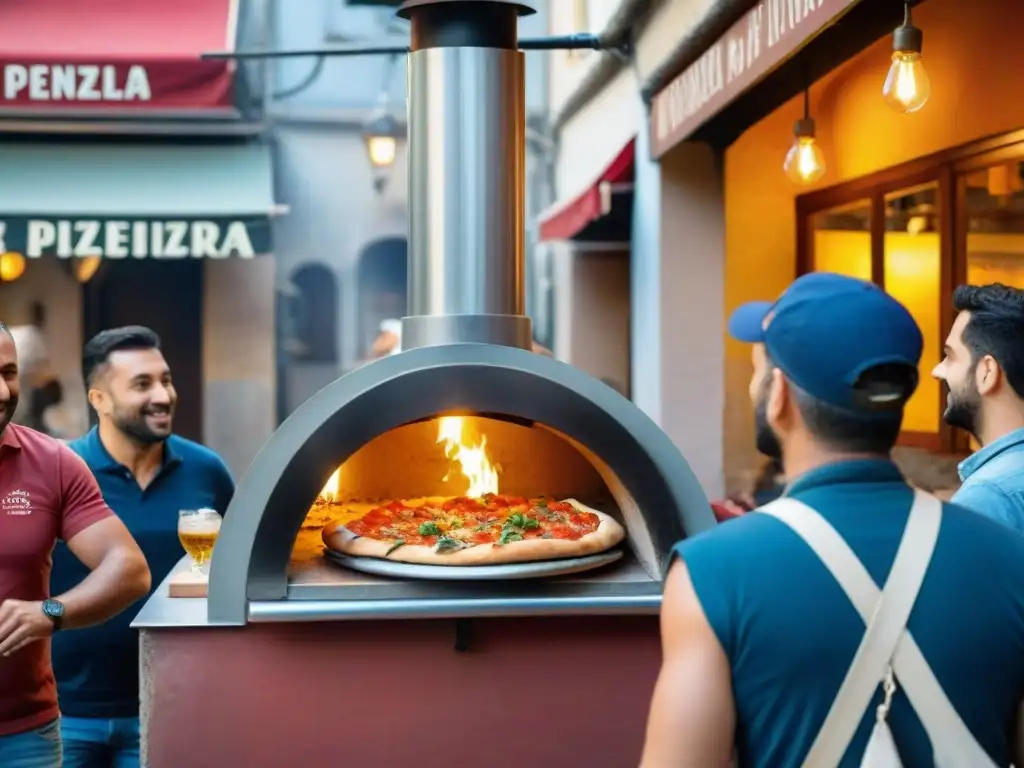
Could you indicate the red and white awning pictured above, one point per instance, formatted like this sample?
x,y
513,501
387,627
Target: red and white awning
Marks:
x,y
115,57
567,219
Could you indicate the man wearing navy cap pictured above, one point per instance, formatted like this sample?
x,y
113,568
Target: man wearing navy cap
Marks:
x,y
758,635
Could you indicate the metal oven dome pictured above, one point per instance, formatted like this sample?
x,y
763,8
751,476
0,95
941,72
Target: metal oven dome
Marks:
x,y
273,497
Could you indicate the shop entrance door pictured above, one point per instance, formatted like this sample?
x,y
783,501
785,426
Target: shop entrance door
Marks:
x,y
166,296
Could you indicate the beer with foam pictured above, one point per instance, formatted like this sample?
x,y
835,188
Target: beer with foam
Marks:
x,y
197,531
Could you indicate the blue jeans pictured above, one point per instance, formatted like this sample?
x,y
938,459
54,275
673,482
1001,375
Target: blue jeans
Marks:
x,y
97,743
32,749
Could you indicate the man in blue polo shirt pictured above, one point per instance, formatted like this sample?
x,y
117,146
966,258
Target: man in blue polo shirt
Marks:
x,y
146,475
757,633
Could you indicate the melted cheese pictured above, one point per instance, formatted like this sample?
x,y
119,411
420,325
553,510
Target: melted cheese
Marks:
x,y
462,534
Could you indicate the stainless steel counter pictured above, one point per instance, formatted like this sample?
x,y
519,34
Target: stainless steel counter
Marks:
x,y
319,591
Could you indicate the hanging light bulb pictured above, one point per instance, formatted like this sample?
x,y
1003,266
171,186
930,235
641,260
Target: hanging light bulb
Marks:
x,y
381,134
12,266
805,162
907,87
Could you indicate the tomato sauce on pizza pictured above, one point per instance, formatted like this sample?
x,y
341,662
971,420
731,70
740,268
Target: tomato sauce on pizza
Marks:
x,y
460,522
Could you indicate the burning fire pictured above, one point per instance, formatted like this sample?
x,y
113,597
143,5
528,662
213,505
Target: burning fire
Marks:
x,y
472,459
330,490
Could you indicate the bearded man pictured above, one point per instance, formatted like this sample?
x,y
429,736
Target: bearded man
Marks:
x,y
761,637
147,475
983,368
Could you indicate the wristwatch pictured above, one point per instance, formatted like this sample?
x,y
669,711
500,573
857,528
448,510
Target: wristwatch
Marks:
x,y
54,611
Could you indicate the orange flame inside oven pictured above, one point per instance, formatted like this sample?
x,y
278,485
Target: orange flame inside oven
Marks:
x,y
472,459
329,493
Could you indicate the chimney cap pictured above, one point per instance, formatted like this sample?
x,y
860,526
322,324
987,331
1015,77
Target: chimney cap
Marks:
x,y
408,6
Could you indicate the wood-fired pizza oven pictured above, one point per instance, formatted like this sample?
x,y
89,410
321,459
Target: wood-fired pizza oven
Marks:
x,y
372,434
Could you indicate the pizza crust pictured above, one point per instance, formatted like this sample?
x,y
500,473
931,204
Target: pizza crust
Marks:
x,y
607,535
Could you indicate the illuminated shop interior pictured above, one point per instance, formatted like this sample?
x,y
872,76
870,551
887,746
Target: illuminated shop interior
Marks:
x,y
917,198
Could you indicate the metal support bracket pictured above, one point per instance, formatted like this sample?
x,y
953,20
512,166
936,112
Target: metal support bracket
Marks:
x,y
622,51
552,43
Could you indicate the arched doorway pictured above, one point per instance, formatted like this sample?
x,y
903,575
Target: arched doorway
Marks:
x,y
315,314
308,357
382,277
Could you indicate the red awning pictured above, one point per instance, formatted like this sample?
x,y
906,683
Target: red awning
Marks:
x,y
123,56
566,219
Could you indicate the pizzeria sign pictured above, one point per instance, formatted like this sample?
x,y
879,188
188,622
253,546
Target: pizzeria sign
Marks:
x,y
765,37
138,238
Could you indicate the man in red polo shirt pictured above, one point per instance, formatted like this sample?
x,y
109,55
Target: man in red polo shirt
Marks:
x,y
48,493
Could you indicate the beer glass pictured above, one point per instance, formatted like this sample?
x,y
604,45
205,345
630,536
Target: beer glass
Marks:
x,y
197,531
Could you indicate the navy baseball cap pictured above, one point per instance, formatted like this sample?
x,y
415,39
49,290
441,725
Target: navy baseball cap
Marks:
x,y
826,330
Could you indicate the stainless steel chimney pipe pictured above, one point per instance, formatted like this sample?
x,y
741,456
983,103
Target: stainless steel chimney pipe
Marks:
x,y
467,152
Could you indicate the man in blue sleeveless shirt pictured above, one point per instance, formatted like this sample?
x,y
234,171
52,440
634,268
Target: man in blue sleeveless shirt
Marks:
x,y
983,366
757,634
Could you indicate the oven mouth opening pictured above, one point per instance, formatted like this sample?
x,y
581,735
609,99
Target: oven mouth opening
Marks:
x,y
462,453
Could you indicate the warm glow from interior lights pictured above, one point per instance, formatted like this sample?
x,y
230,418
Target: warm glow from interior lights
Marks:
x,y
382,150
330,490
472,459
805,162
917,224
12,266
85,268
907,87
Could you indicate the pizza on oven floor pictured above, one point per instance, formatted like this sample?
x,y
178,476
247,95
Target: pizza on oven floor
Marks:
x,y
488,530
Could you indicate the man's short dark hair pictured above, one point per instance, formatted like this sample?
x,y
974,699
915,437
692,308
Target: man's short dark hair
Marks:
x,y
996,327
97,351
852,431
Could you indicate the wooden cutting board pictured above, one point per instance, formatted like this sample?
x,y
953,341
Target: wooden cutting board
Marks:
x,y
187,583
309,548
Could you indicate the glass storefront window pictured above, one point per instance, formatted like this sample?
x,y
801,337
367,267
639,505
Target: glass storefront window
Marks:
x,y
913,275
917,230
995,225
994,199
841,240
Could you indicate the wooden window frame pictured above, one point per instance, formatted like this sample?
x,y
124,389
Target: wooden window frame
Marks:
x,y
947,169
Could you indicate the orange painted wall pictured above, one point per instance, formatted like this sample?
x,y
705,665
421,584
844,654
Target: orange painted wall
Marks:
x,y
974,59
912,276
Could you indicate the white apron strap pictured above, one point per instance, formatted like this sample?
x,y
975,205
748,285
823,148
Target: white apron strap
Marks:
x,y
953,744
